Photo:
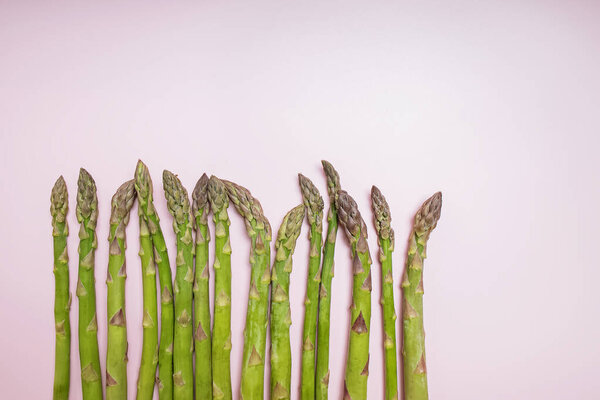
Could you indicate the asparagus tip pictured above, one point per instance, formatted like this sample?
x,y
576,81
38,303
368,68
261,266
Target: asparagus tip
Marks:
x,y
178,202
143,182
217,194
381,213
291,225
312,200
428,215
350,217
200,195
333,180
122,201
59,200
87,200
247,206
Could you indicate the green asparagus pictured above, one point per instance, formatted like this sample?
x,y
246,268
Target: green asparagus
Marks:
x,y
255,333
59,205
202,341
385,235
178,204
143,186
146,377
357,362
89,357
322,376
281,352
413,348
116,355
314,211
221,337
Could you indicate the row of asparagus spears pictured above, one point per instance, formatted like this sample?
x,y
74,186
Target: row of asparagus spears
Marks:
x,y
186,338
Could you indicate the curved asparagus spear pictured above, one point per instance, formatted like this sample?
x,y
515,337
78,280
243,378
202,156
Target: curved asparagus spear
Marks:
x,y
146,377
255,332
281,352
385,235
413,347
143,186
202,342
314,211
116,354
357,363
221,338
322,377
59,205
178,204
87,216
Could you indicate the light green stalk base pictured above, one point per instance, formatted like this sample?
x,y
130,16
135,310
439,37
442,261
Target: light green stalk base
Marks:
x,y
323,327
314,207
255,332
281,352
89,357
178,204
385,235
413,349
116,354
357,363
59,205
146,377
143,186
221,338
202,342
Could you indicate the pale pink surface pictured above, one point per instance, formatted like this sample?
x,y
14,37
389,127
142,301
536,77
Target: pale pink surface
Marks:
x,y
494,103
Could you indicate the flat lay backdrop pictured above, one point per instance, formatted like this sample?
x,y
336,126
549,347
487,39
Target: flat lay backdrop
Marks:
x,y
495,103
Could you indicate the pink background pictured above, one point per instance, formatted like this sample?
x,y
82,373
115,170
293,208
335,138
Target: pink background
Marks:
x,y
495,103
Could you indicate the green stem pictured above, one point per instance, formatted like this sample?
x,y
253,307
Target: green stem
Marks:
x,y
116,354
62,298
89,357
221,338
146,377
281,352
322,368
413,349
202,341
179,206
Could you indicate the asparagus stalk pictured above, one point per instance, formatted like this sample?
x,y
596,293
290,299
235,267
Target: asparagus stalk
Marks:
x,y
314,211
178,204
221,338
255,332
357,363
143,186
202,341
281,352
413,346
116,355
146,377
322,376
385,235
59,205
87,216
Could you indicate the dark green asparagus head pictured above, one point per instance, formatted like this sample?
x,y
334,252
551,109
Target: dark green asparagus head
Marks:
x,y
381,214
290,228
351,221
217,195
178,201
59,202
200,204
121,203
87,200
333,181
312,201
428,215
249,208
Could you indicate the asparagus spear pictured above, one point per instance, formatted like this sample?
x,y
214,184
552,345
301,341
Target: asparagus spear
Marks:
x,y
322,377
413,347
59,205
178,204
385,235
87,216
357,363
202,342
255,333
281,352
146,377
314,211
143,186
116,355
221,338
